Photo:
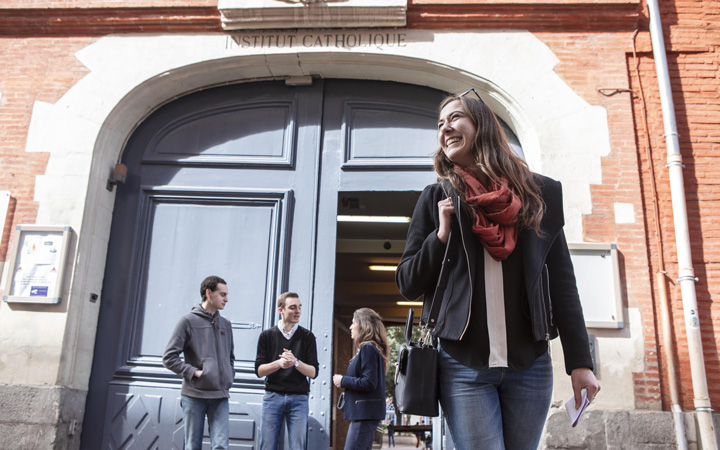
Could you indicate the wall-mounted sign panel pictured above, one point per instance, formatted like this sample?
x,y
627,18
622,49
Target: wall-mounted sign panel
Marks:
x,y
35,270
598,281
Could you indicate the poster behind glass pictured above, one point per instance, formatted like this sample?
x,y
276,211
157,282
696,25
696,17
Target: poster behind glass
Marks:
x,y
36,269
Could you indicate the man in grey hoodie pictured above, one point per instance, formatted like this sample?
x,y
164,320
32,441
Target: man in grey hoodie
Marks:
x,y
205,339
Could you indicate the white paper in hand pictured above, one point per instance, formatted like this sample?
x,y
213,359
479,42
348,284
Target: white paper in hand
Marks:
x,y
574,414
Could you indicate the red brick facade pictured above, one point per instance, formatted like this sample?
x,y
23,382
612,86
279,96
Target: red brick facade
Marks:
x,y
692,37
33,69
594,43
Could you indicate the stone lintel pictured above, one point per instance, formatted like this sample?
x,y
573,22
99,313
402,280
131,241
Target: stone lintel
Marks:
x,y
289,14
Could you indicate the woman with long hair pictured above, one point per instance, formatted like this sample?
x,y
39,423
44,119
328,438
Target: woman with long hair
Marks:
x,y
510,287
364,383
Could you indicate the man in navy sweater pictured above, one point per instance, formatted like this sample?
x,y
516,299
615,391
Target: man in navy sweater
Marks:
x,y
287,357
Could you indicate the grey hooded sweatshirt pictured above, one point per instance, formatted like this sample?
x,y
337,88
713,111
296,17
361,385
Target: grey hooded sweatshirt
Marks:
x,y
206,342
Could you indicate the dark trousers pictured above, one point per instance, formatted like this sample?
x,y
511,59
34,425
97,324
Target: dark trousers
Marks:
x,y
360,434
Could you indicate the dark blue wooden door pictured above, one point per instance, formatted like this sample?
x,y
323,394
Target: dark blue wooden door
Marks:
x,y
220,182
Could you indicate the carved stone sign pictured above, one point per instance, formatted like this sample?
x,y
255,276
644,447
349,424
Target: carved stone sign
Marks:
x,y
341,40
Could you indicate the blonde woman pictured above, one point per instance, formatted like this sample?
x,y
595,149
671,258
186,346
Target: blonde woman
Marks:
x,y
365,380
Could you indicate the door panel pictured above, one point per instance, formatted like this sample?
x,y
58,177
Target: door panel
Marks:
x,y
206,223
221,135
379,135
387,134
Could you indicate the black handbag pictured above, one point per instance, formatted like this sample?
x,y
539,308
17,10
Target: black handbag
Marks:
x,y
416,376
416,370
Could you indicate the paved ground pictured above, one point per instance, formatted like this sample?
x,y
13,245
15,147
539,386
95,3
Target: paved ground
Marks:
x,y
402,442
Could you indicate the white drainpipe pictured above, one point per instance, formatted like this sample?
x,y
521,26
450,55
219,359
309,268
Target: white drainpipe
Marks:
x,y
686,275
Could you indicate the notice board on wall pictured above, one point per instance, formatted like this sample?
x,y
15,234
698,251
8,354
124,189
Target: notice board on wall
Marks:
x,y
37,264
598,280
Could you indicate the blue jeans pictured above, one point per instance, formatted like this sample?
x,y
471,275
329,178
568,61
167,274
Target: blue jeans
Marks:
x,y
360,434
279,410
497,408
218,415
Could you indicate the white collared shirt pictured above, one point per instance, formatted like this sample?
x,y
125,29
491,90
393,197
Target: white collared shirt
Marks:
x,y
288,334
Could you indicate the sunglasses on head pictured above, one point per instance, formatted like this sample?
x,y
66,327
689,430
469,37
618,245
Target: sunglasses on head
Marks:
x,y
473,91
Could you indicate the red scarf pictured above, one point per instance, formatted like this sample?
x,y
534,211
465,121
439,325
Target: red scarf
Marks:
x,y
496,214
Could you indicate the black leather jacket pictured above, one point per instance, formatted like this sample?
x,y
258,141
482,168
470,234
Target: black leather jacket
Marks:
x,y
553,304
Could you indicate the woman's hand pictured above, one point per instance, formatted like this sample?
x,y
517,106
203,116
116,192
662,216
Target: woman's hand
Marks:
x,y
584,378
337,380
445,210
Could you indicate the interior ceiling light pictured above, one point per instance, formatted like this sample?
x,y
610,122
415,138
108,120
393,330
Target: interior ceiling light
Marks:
x,y
374,219
383,267
404,303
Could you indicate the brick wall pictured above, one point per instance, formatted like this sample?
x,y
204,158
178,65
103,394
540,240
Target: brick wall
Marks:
x,y
696,104
592,64
32,70
588,63
690,31
105,3
99,18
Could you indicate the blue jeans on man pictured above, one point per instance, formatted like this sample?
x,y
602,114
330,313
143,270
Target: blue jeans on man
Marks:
x,y
279,410
218,415
495,408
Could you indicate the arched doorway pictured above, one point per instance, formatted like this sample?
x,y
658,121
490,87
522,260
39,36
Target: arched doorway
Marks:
x,y
240,181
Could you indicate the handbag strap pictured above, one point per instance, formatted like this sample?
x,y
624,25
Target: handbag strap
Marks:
x,y
409,326
436,301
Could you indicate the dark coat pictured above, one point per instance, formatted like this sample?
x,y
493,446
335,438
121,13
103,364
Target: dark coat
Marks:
x,y
365,385
553,304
